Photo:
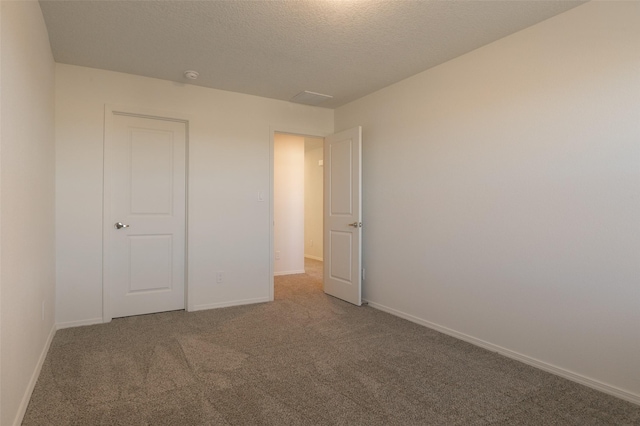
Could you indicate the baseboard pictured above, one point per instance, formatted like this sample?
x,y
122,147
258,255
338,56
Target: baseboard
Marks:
x,y
308,256
550,368
297,271
22,408
70,324
232,303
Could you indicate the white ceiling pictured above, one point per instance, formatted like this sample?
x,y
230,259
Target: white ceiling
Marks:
x,y
277,49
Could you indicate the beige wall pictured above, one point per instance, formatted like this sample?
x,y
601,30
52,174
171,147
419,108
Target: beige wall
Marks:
x,y
27,204
229,165
501,195
288,204
313,196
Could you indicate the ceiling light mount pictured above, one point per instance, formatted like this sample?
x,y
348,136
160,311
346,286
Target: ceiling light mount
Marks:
x,y
191,75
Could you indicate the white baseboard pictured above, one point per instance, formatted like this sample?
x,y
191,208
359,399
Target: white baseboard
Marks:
x,y
567,374
297,271
80,323
22,408
232,303
308,256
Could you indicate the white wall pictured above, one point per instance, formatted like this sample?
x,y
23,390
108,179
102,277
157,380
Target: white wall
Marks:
x,y
501,195
27,204
229,164
288,207
313,198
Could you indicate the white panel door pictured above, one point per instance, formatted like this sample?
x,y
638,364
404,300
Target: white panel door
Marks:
x,y
343,215
145,199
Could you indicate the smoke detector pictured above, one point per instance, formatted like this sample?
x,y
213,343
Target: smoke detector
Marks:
x,y
191,75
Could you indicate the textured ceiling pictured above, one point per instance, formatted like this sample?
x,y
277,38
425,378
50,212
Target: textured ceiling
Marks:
x,y
277,49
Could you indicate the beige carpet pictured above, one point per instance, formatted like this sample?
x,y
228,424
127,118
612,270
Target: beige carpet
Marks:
x,y
305,359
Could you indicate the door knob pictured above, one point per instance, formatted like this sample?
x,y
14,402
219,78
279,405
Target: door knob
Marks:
x,y
356,224
120,225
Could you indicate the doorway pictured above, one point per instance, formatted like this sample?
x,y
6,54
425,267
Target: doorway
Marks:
x,y
297,203
341,217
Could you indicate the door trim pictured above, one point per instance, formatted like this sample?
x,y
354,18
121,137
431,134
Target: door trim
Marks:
x,y
288,130
109,112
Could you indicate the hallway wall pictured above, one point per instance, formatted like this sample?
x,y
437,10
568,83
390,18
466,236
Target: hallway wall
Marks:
x,y
313,198
289,204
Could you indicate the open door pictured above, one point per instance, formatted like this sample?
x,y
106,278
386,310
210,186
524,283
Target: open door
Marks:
x,y
343,215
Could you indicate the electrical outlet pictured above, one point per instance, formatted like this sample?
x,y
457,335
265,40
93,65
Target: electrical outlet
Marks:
x,y
311,243
278,255
220,277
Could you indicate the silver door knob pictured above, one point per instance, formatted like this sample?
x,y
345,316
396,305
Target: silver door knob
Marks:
x,y
120,225
356,224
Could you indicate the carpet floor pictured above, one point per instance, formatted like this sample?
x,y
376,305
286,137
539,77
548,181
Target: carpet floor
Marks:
x,y
305,359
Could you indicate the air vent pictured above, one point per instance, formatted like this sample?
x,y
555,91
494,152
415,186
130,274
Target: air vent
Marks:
x,y
310,98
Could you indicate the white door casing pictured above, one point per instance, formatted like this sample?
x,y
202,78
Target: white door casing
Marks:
x,y
343,215
145,189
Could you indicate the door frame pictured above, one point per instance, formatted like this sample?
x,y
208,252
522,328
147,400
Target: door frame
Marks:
x,y
109,112
288,130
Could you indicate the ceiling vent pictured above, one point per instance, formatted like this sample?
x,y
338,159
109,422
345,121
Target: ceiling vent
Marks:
x,y
310,98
